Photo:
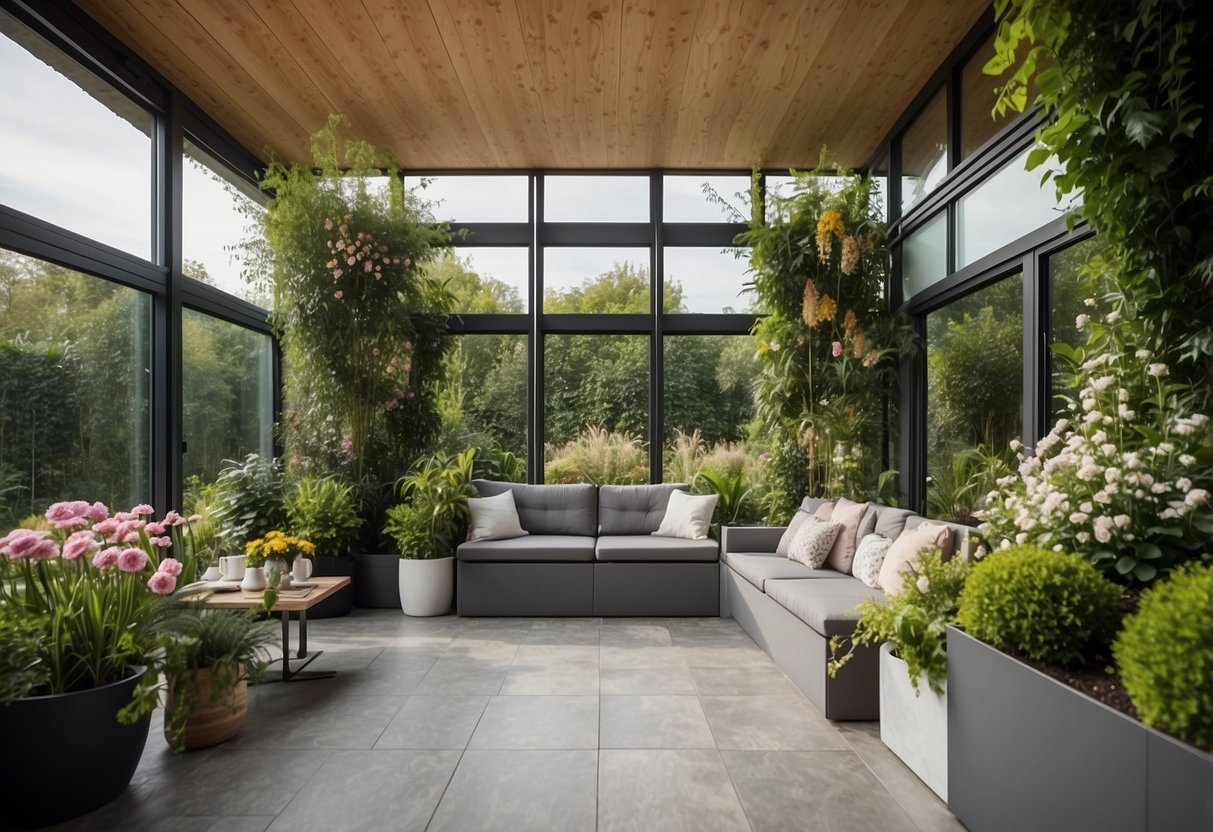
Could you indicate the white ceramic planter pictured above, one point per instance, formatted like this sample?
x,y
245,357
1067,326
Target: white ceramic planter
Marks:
x,y
427,586
914,726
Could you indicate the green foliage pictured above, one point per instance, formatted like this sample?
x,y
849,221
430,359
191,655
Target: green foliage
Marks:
x,y
433,511
21,667
954,491
915,620
819,267
249,500
1045,605
601,457
325,512
733,491
1165,656
1127,84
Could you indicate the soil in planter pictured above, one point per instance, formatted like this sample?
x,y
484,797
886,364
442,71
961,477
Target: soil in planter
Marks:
x,y
1098,684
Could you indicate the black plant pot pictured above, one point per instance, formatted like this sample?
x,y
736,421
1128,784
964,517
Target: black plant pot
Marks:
x,y
67,754
377,581
341,602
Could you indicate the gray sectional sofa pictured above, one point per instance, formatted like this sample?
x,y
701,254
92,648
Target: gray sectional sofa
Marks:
x,y
792,611
589,551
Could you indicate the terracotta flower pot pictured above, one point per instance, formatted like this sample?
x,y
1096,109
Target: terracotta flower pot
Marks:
x,y
213,721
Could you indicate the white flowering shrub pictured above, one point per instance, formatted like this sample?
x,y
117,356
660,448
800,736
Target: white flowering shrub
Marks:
x,y
1126,477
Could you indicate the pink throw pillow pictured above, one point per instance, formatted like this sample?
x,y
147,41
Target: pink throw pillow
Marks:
x,y
823,511
850,515
905,550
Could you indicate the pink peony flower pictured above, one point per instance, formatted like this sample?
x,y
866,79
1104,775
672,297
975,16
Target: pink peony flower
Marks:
x,y
142,510
19,543
173,519
44,549
61,512
106,557
154,529
98,512
162,583
836,349
123,516
170,565
106,527
72,523
80,543
132,560
162,542
127,531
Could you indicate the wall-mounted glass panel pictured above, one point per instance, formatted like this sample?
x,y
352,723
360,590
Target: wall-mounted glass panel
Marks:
x,y
977,97
924,152
75,389
218,213
691,198
1068,290
485,280
484,398
76,151
227,395
595,280
880,176
1007,205
924,255
707,280
974,396
596,408
570,198
474,198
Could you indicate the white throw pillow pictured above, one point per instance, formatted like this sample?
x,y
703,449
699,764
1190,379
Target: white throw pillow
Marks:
x,y
494,518
688,516
798,519
869,557
812,544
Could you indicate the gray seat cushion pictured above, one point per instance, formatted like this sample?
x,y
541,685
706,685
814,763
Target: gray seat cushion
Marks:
x,y
760,567
535,548
890,521
826,606
633,509
645,547
550,509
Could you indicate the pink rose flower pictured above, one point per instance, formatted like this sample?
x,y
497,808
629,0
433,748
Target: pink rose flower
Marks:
x,y
142,510
20,542
127,531
162,583
170,565
173,519
132,560
123,516
106,527
106,557
71,523
59,512
80,543
162,542
836,349
44,549
154,529
98,512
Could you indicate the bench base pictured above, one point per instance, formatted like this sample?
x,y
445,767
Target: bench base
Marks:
x,y
657,589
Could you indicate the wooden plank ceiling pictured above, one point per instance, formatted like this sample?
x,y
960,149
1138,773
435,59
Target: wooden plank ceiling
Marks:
x,y
553,83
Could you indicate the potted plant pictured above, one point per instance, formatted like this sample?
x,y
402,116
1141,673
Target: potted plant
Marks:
x,y
95,593
248,499
911,628
324,511
425,525
208,666
275,553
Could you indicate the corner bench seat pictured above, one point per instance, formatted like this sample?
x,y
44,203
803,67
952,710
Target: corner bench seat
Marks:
x,y
533,548
760,567
637,547
826,606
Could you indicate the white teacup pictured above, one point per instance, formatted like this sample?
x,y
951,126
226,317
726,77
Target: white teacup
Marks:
x,y
232,567
301,570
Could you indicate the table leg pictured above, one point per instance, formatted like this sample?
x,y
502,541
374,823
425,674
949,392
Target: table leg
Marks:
x,y
297,673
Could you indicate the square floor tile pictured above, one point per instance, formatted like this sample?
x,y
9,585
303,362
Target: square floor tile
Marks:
x,y
246,782
654,722
538,722
770,723
638,680
520,790
434,722
556,631
742,681
563,681
464,676
687,791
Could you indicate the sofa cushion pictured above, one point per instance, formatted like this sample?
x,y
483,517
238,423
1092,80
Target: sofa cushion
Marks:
x,y
811,504
643,547
869,557
798,519
760,567
813,542
905,550
890,521
633,509
493,518
849,515
828,607
550,509
688,516
545,548
956,541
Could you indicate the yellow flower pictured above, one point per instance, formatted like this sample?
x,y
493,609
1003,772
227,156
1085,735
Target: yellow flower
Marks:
x,y
850,255
849,324
811,296
826,309
830,224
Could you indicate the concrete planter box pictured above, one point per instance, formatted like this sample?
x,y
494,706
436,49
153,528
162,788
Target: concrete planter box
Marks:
x,y
914,725
1027,752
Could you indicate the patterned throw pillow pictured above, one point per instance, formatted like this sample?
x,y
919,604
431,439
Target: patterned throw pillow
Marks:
x,y
798,520
813,542
869,557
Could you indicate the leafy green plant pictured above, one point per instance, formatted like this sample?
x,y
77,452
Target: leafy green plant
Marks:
x,y
1045,605
1165,655
323,511
433,512
958,491
733,492
248,499
914,620
21,666
601,457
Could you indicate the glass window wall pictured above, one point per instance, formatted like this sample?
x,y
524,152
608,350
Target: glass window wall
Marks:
x,y
924,152
596,280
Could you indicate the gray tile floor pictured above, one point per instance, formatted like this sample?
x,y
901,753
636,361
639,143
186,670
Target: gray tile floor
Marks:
x,y
520,724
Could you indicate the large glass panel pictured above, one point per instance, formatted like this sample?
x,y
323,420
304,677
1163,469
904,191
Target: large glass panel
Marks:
x,y
924,152
977,97
924,255
1068,290
705,198
484,401
227,394
974,396
218,213
76,152
880,176
779,187
568,198
706,279
709,408
596,408
75,370
472,198
486,279
1007,205
595,280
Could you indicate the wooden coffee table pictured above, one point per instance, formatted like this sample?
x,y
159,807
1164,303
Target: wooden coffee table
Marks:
x,y
243,600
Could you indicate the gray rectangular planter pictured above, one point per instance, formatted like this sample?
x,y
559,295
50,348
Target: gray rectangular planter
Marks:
x,y
1027,752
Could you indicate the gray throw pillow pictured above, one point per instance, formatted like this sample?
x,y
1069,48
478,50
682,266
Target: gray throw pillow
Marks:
x,y
869,557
